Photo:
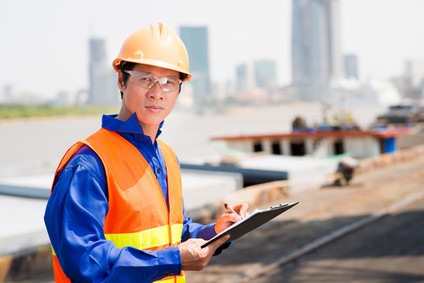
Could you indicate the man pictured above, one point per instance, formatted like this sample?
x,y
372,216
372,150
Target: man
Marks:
x,y
116,210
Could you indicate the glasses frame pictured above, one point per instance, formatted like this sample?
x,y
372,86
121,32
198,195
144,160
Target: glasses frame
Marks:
x,y
160,80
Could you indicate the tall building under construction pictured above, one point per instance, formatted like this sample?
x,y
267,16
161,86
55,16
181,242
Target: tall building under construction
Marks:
x,y
197,43
316,47
103,88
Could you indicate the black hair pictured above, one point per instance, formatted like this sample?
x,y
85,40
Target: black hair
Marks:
x,y
183,76
125,66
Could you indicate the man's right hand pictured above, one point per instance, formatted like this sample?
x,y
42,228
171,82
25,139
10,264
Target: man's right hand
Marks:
x,y
193,257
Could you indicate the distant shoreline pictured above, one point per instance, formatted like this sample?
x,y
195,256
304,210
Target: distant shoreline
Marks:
x,y
24,112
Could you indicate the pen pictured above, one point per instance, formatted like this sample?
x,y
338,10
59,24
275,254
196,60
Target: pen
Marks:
x,y
230,209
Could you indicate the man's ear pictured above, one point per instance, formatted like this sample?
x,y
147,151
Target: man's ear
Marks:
x,y
121,83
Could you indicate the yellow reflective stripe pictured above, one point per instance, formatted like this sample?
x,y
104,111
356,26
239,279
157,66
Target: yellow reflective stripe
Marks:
x,y
176,233
146,239
180,279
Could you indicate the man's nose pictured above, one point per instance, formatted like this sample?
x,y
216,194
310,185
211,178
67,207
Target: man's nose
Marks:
x,y
156,91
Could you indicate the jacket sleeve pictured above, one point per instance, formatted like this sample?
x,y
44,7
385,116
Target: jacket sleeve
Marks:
x,y
74,220
196,230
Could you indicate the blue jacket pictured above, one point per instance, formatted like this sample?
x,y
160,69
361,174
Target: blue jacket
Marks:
x,y
77,207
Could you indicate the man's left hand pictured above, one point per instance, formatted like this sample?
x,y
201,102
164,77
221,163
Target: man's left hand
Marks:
x,y
227,219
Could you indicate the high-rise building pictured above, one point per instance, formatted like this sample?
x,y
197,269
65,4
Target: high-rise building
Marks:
x,y
245,77
102,78
260,74
351,66
415,72
242,77
265,74
316,47
7,95
196,41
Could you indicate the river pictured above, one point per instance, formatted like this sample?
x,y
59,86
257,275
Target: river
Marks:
x,y
35,146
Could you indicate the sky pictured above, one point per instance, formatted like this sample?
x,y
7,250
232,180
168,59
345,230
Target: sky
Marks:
x,y
44,43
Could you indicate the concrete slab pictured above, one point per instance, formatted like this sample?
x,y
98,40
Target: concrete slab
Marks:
x,y
301,171
22,222
201,188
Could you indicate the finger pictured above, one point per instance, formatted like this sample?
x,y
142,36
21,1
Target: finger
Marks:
x,y
215,245
242,209
233,218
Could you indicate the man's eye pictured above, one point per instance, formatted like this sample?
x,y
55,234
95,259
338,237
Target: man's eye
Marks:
x,y
171,82
146,79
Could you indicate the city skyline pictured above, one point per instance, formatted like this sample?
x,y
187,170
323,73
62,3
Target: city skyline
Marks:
x,y
45,45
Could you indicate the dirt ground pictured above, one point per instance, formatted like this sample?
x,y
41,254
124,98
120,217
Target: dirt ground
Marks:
x,y
319,212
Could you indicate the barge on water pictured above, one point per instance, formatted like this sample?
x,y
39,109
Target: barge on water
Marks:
x,y
320,142
301,154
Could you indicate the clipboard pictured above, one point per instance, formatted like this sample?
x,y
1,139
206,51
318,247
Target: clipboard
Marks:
x,y
253,221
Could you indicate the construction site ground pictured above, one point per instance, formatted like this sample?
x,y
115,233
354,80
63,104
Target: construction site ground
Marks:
x,y
326,214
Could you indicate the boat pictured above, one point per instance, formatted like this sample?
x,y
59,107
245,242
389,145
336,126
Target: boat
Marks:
x,y
304,153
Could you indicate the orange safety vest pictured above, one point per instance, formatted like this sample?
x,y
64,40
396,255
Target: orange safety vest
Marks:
x,y
138,215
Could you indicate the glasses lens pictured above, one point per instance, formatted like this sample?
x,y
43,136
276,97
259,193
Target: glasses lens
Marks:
x,y
147,80
169,83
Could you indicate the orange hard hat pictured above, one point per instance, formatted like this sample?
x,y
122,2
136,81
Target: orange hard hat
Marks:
x,y
155,45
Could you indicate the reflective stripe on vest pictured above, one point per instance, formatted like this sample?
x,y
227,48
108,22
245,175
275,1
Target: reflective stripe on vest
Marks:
x,y
179,279
148,239
138,214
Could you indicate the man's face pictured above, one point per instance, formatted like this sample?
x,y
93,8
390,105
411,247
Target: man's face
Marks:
x,y
152,105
